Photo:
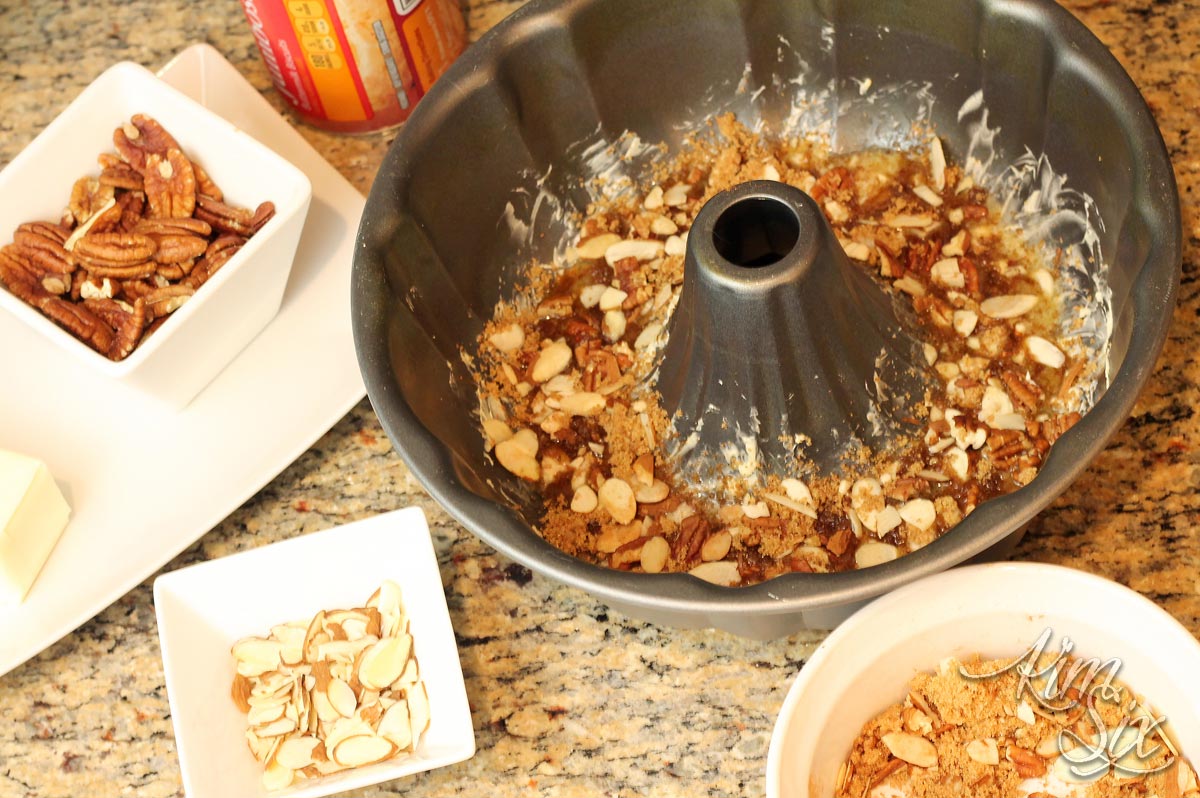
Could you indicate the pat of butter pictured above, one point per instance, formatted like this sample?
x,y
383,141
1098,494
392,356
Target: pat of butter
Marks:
x,y
33,515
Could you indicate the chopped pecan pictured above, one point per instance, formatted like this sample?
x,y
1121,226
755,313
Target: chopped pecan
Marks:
x,y
1025,391
57,283
603,368
1028,764
970,273
1053,428
692,532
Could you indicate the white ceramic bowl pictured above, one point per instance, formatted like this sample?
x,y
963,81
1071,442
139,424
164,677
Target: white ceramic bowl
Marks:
x,y
996,610
203,609
227,312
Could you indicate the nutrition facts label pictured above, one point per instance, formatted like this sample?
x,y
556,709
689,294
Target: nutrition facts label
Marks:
x,y
356,65
332,76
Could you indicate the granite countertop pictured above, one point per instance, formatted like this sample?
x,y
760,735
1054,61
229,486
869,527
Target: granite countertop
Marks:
x,y
568,697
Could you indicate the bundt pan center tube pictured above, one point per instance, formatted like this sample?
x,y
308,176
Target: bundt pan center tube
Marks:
x,y
489,170
776,325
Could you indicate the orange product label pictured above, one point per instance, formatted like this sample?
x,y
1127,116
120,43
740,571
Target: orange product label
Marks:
x,y
431,42
324,53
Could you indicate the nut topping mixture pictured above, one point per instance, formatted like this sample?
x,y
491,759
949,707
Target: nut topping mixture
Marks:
x,y
566,372
339,691
968,730
132,246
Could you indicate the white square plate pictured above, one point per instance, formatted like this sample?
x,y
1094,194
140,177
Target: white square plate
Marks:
x,y
203,609
132,487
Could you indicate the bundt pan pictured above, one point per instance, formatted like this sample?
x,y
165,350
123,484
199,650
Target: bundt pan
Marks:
x,y
488,170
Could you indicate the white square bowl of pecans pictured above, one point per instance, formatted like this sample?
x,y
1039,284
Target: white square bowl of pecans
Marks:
x,y
1010,678
313,666
152,240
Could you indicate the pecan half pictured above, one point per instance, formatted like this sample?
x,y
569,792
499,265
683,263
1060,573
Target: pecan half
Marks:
x,y
205,184
166,300
178,248
79,321
170,227
142,136
170,185
114,249
121,175
226,218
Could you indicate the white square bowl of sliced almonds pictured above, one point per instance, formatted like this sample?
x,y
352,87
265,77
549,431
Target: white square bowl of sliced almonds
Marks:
x,y
147,238
313,666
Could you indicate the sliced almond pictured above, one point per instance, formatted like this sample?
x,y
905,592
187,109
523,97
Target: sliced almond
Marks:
x,y
946,273
551,361
928,195
641,249
256,656
662,226
653,493
912,749
984,751
614,325
919,512
654,554
874,553
716,546
508,339
342,698
296,753
612,298
362,749
719,573
595,247
1009,306
277,777
382,663
583,403
648,336
396,725
585,500
1045,352
964,322
515,455
676,195
418,710
617,498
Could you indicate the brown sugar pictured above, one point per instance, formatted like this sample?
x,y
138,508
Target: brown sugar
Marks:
x,y
565,372
981,729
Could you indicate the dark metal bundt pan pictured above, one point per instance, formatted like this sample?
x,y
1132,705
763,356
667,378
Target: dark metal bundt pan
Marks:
x,y
434,253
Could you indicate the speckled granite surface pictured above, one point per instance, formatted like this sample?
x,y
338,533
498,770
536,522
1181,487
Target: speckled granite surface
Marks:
x,y
568,698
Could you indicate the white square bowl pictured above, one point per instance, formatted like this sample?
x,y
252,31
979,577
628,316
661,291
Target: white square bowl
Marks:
x,y
203,609
225,314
